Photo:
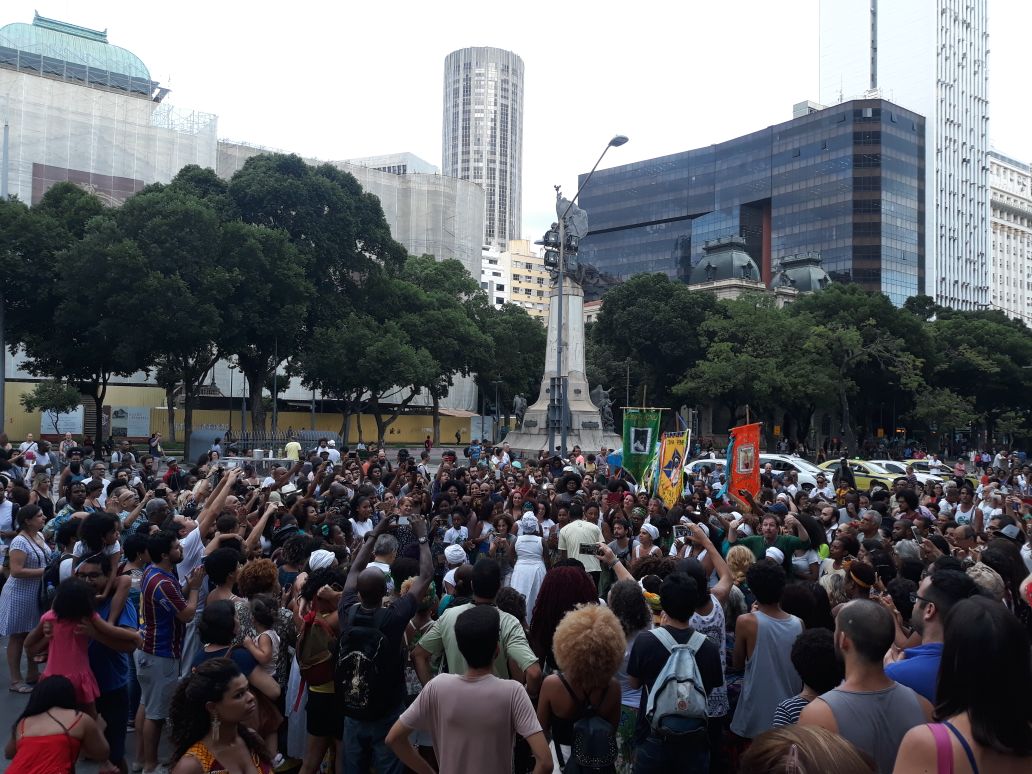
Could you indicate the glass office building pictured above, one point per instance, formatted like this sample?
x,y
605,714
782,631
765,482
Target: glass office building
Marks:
x,y
846,182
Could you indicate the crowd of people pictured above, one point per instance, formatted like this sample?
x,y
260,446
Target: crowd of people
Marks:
x,y
367,610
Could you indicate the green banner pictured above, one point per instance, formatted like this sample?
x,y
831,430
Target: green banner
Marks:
x,y
640,437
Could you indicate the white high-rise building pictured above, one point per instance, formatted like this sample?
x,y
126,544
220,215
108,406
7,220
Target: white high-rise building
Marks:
x,y
483,133
1010,277
929,56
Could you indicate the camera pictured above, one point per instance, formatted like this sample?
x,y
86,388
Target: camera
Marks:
x,y
680,532
587,548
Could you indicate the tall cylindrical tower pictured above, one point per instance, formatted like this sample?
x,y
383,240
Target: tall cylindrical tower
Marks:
x,y
483,133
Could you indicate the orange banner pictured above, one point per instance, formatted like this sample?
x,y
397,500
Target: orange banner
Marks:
x,y
745,459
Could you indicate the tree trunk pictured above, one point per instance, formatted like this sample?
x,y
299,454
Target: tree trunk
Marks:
x,y
345,427
358,426
170,401
255,384
188,406
846,427
98,414
437,420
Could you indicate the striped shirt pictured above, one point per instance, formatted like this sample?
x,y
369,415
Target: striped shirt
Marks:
x,y
160,600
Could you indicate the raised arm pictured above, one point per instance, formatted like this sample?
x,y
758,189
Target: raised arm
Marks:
x,y
723,588
254,538
426,562
213,506
365,551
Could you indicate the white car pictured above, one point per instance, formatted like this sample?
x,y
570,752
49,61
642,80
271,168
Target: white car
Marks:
x,y
782,463
900,469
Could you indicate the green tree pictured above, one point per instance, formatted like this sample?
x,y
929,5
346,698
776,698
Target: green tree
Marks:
x,y
264,315
656,322
365,363
516,354
52,398
180,235
442,315
873,348
984,357
943,410
87,346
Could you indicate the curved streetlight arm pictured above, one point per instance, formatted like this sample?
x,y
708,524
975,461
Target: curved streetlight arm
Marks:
x,y
616,142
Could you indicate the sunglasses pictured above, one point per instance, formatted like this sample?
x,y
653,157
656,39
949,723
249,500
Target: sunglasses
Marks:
x,y
89,575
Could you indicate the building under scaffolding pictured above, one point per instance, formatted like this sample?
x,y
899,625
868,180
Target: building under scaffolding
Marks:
x,y
83,110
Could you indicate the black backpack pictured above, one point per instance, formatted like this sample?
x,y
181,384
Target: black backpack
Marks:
x,y
364,660
594,738
51,580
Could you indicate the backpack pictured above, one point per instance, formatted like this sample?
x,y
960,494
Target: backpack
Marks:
x,y
364,661
51,580
594,738
316,650
678,691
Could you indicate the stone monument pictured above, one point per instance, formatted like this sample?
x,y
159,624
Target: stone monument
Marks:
x,y
584,422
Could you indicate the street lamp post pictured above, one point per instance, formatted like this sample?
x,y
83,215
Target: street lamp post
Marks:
x,y
559,403
498,413
232,370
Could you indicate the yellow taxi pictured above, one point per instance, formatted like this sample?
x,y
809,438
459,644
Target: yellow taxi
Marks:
x,y
867,474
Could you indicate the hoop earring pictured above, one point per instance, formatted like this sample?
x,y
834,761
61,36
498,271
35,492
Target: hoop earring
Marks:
x,y
215,725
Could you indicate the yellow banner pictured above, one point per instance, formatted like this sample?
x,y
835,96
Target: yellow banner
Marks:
x,y
671,465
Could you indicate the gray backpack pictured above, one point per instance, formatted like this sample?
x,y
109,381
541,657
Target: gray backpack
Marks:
x,y
678,691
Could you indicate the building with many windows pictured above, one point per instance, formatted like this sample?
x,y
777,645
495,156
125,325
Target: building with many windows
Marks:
x,y
531,281
1010,273
845,182
496,277
929,56
397,164
483,133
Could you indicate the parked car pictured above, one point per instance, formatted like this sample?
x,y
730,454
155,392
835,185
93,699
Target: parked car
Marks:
x,y
900,469
867,474
782,463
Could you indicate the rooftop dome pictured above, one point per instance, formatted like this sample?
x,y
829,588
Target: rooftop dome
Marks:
x,y
724,259
802,272
65,42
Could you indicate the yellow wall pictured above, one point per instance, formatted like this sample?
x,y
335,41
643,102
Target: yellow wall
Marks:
x,y
19,422
407,429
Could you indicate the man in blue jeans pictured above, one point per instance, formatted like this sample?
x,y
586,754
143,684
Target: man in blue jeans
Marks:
x,y
684,748
361,604
109,657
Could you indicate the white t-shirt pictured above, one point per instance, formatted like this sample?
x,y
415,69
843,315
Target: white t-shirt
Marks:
x,y
453,535
361,528
79,550
193,555
802,563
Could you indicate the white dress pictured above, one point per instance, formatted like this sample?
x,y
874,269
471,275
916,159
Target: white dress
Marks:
x,y
529,570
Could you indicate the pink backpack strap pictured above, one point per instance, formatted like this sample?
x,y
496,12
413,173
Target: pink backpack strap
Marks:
x,y
943,748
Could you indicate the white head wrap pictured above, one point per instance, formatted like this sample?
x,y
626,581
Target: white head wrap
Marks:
x,y
454,554
528,525
321,558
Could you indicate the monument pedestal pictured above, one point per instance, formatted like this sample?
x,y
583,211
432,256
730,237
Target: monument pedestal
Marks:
x,y
584,423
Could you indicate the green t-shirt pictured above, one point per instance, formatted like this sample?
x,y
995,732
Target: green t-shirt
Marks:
x,y
440,638
787,543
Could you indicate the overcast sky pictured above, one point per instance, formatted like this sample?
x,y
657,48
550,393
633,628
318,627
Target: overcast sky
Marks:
x,y
351,79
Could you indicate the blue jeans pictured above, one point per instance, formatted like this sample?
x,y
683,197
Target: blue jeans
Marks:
x,y
364,746
689,754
